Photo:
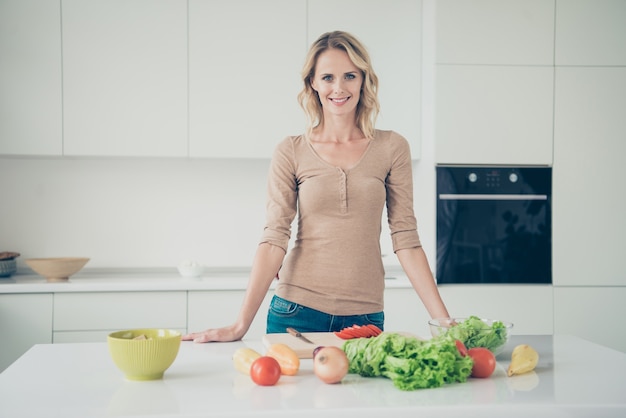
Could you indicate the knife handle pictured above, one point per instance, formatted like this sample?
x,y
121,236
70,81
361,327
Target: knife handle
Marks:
x,y
294,332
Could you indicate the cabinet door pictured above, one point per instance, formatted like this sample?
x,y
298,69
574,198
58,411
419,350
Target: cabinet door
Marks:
x,y
213,309
494,115
404,312
245,58
590,32
589,149
495,32
588,312
529,307
25,320
30,77
392,33
533,314
125,77
112,311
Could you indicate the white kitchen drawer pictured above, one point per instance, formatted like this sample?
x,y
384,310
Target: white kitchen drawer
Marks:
x,y
590,32
494,115
213,309
518,32
119,310
89,336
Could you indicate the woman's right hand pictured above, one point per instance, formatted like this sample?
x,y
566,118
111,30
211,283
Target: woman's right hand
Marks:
x,y
225,334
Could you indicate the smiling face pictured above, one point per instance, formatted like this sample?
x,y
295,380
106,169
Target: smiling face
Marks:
x,y
337,82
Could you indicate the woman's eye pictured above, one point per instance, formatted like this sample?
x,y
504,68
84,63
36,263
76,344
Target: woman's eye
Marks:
x,y
350,76
327,78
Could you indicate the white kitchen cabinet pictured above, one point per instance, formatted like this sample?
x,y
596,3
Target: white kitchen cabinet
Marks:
x,y
591,312
494,114
589,147
25,320
214,309
405,312
590,32
495,32
30,77
529,308
392,33
245,58
125,77
90,316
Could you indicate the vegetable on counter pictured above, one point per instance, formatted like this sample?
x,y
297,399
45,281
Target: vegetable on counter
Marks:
x,y
410,363
524,359
484,362
473,332
359,331
265,371
286,357
243,358
330,364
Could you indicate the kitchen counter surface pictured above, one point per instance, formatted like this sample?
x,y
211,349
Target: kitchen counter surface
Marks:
x,y
574,378
149,280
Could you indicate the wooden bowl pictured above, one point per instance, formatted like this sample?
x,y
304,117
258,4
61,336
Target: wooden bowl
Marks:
x,y
57,269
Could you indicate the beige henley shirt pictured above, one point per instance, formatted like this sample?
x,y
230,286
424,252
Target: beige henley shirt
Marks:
x,y
335,264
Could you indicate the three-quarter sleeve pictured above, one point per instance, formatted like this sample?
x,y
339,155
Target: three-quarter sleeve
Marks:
x,y
399,184
282,190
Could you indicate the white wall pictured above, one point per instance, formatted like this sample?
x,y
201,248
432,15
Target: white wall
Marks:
x,y
147,212
133,212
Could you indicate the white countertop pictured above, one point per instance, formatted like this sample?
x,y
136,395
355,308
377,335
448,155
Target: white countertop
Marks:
x,y
574,378
137,280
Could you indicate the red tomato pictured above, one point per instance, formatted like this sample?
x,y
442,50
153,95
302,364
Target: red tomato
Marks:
x,y
484,361
461,347
265,371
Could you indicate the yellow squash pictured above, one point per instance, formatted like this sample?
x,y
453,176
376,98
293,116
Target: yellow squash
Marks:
x,y
523,359
286,357
243,358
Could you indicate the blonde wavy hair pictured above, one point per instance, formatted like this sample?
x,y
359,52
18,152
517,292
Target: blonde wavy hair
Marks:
x,y
368,106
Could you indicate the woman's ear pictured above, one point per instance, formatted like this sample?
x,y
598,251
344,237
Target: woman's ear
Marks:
x,y
312,83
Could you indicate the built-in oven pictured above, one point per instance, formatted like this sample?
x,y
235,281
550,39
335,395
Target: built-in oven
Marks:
x,y
494,224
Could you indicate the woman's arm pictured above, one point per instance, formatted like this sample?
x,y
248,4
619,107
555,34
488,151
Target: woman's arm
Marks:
x,y
415,265
267,261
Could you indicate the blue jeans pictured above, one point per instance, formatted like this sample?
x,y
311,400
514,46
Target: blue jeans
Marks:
x,y
283,313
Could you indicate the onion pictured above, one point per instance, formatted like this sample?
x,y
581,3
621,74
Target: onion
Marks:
x,y
330,364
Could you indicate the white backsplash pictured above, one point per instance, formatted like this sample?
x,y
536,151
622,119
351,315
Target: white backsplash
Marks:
x,y
146,213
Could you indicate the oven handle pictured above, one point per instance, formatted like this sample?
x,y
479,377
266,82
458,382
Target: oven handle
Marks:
x,y
445,196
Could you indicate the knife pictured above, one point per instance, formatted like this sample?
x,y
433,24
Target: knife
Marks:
x,y
297,334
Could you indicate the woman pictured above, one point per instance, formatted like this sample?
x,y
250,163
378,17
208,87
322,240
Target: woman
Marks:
x,y
337,178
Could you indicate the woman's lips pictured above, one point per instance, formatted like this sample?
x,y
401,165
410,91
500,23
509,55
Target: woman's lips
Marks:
x,y
339,100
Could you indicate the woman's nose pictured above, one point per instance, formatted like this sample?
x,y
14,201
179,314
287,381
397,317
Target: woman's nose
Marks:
x,y
338,87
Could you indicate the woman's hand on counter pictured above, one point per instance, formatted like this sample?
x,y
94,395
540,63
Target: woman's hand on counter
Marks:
x,y
230,333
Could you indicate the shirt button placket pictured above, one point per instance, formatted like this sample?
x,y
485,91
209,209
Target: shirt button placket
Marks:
x,y
343,192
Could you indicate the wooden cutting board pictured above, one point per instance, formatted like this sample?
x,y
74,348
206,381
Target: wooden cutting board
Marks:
x,y
302,348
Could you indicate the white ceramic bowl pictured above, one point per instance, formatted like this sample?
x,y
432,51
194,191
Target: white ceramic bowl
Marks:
x,y
190,269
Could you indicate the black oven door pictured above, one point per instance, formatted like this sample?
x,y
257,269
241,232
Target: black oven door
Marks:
x,y
494,225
